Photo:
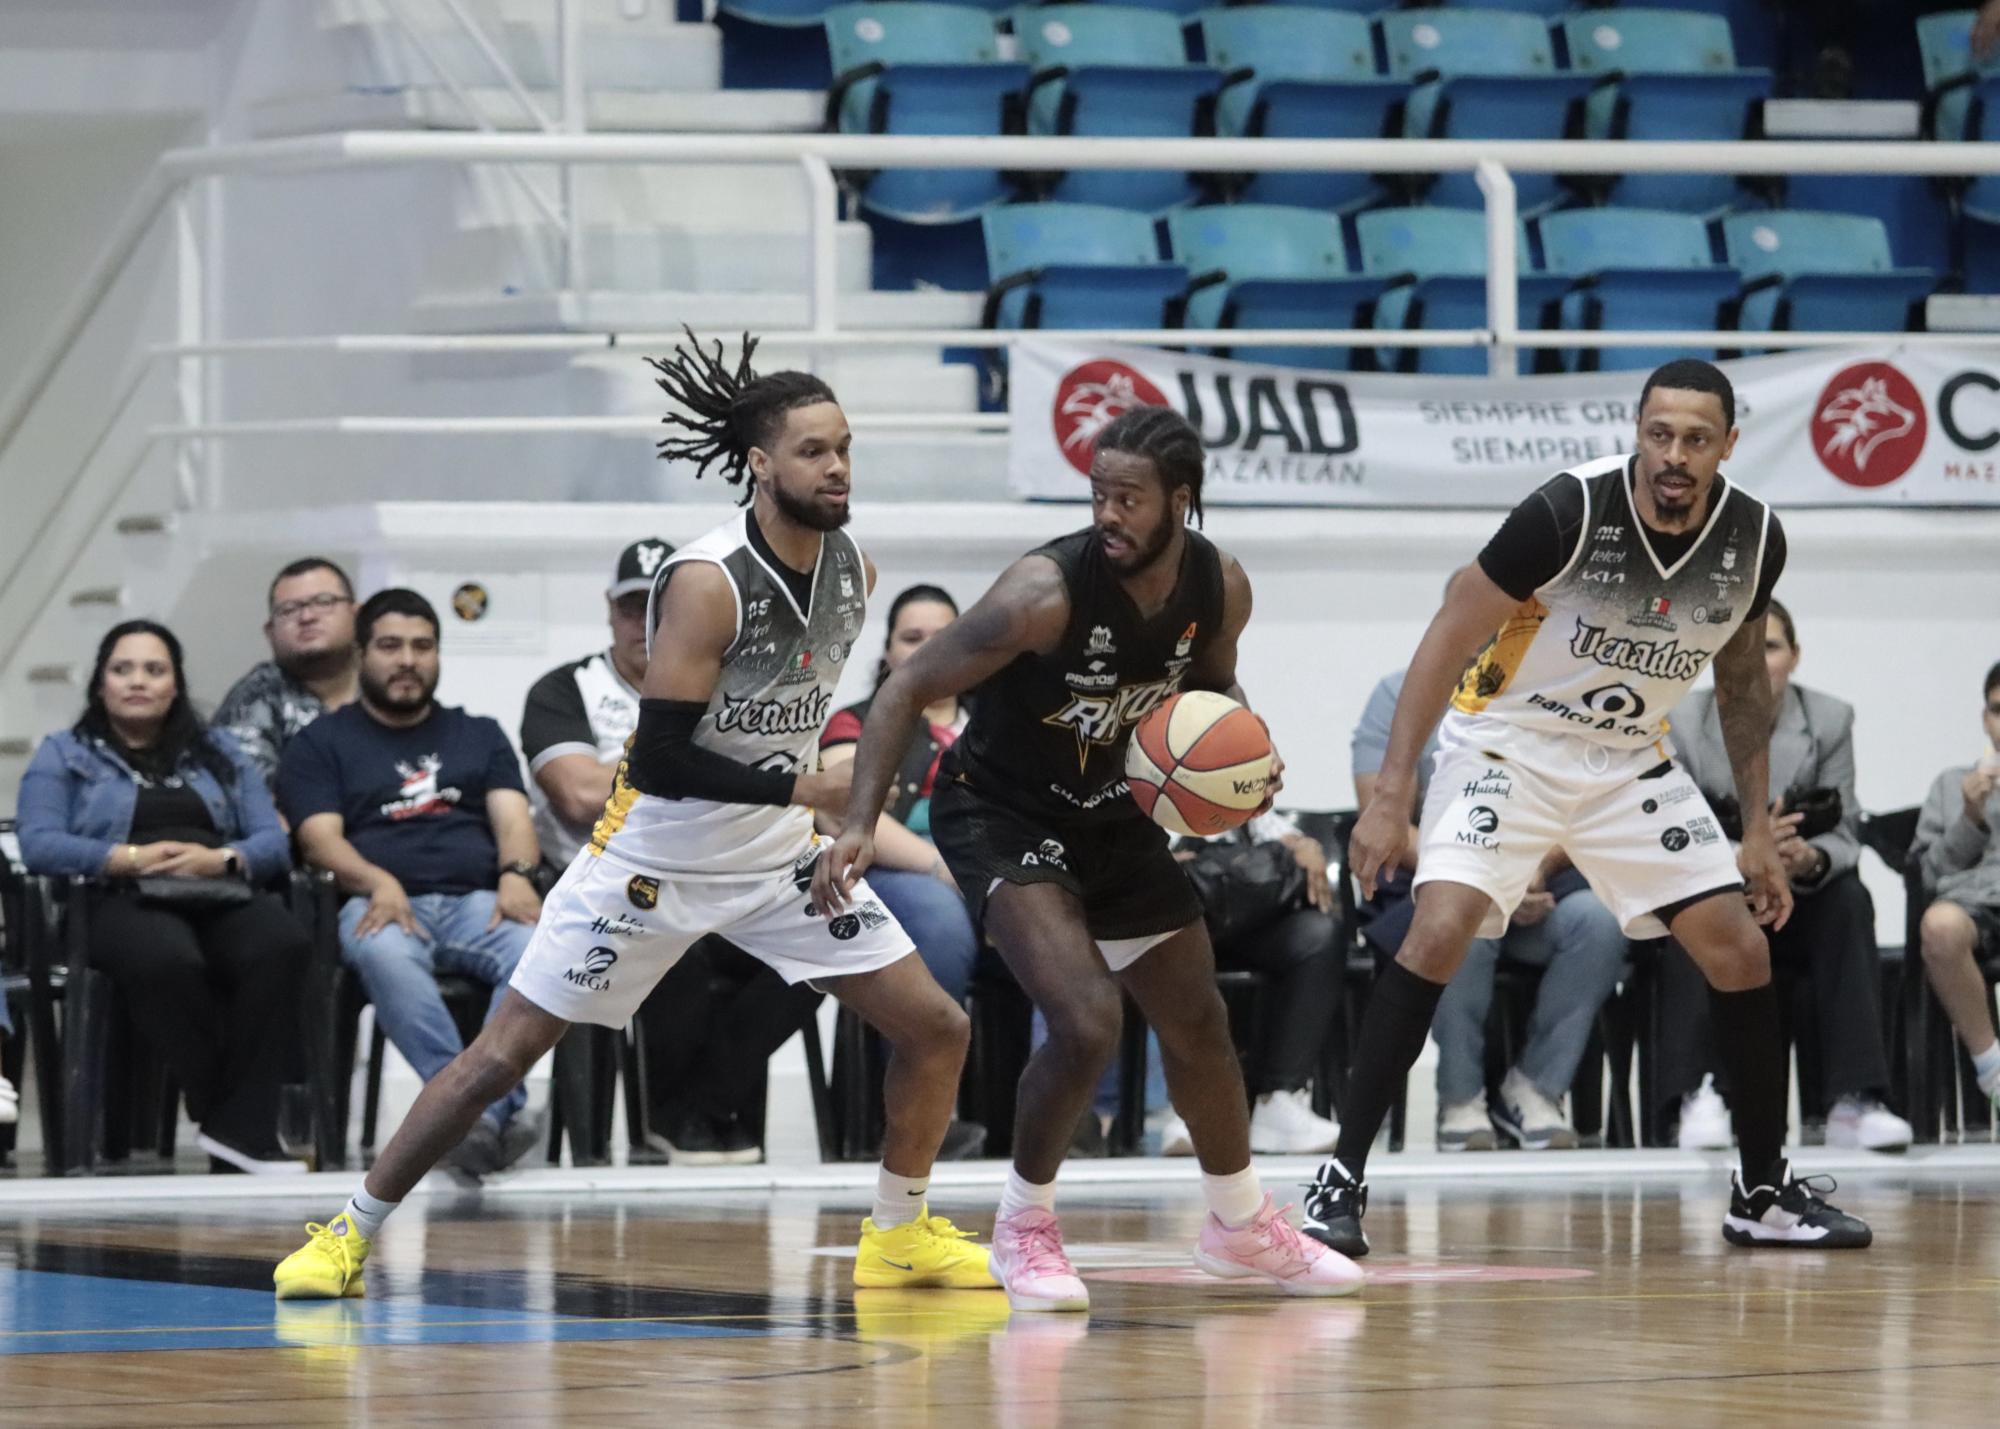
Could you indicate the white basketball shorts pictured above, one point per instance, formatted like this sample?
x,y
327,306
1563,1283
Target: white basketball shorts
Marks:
x,y
609,933
1631,820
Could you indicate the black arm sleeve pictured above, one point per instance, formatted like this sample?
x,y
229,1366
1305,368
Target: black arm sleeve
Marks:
x,y
666,762
1537,539
1773,567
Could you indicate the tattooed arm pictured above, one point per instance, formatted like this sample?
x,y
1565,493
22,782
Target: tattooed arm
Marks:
x,y
1025,612
1743,704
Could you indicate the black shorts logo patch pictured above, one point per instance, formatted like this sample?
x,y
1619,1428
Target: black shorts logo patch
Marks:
x,y
644,892
872,915
1674,839
846,927
1651,806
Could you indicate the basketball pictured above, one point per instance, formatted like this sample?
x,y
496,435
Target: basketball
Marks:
x,y
1199,764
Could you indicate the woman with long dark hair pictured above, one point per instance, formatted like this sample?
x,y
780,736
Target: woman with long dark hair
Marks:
x,y
180,826
909,876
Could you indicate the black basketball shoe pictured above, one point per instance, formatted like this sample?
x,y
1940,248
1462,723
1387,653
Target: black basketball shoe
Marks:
x,y
1335,1204
1789,1212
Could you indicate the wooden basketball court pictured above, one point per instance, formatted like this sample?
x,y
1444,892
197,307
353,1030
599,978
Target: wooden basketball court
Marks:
x,y
1504,1290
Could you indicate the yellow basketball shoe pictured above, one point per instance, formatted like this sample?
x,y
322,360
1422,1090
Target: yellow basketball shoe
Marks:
x,y
928,1252
327,1267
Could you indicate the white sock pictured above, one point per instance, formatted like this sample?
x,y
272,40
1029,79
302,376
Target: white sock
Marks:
x,y
1021,1195
898,1199
1235,1198
366,1214
1986,1065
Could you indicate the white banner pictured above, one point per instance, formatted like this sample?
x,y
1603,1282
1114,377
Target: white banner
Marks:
x,y
1917,426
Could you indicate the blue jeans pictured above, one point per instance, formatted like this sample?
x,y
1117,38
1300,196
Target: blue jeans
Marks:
x,y
933,914
399,971
1582,951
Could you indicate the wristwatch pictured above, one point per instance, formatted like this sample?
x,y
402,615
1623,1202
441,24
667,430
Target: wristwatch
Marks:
x,y
523,868
231,864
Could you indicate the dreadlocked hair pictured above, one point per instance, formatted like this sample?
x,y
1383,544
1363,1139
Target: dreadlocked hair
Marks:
x,y
726,411
1166,439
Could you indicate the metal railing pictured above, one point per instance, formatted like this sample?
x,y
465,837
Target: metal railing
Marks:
x,y
817,156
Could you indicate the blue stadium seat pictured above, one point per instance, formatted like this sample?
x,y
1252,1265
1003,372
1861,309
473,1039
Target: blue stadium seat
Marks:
x,y
1441,253
1635,269
1982,126
773,44
1821,272
1980,233
907,67
1267,266
1758,28
1296,73
1067,265
1345,7
1915,210
1945,43
1113,70
1667,74
1483,74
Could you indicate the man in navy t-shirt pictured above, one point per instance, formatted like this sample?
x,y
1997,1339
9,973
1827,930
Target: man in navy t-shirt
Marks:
x,y
419,812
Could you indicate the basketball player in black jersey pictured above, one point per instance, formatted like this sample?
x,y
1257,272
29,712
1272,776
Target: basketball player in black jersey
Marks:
x,y
1072,646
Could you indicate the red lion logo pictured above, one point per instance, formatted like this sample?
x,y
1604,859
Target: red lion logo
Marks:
x,y
1090,398
1868,427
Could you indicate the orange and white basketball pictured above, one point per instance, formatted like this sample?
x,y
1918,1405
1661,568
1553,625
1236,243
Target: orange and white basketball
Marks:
x,y
1199,764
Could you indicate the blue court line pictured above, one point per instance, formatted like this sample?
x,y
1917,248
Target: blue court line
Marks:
x,y
46,1312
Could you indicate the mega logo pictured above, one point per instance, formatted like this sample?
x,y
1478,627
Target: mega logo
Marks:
x,y
1090,398
1099,721
1868,426
596,963
802,715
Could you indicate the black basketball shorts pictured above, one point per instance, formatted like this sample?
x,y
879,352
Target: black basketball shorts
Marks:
x,y
1131,887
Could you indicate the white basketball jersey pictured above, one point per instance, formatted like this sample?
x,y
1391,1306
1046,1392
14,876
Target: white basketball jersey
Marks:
x,y
1617,639
770,706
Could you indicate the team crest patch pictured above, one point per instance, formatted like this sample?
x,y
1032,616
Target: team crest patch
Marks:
x,y
643,892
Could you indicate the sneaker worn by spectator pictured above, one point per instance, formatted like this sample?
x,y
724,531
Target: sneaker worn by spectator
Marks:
x,y
1864,1122
1466,1126
1174,1138
1705,1119
257,1161
1283,1123
10,1103
1533,1121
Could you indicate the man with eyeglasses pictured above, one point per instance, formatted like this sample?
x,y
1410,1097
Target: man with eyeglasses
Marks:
x,y
1958,840
313,667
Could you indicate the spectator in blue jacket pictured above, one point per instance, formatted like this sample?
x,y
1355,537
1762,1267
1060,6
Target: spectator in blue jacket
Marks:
x,y
179,826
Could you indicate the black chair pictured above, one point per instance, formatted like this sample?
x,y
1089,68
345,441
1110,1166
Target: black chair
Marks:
x,y
1941,1090
102,1094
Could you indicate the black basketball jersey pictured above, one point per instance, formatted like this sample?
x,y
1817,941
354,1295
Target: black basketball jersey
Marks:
x,y
1048,732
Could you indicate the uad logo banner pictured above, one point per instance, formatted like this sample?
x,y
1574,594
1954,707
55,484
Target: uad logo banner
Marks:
x,y
1290,425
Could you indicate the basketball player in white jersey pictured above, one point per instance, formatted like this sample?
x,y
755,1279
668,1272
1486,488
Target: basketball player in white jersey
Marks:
x,y
1610,589
709,830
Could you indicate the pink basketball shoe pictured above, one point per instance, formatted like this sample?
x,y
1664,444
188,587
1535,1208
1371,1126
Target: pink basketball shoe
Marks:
x,y
1271,1248
1028,1260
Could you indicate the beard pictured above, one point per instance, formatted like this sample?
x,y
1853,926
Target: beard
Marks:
x,y
1145,551
379,695
314,664
807,513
